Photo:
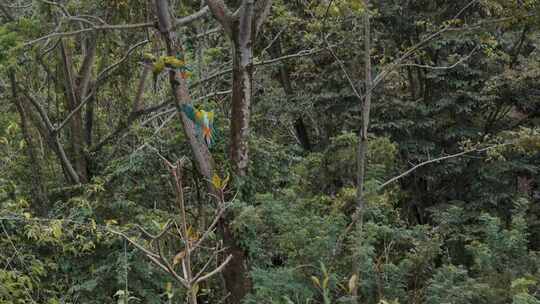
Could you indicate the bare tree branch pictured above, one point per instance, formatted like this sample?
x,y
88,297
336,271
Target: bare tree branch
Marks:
x,y
189,19
90,29
215,271
436,160
222,13
104,74
262,10
463,59
108,70
380,77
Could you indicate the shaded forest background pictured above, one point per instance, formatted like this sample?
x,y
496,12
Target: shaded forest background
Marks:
x,y
365,151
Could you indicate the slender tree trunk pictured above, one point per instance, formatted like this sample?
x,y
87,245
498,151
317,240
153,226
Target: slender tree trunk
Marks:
x,y
236,274
46,129
180,89
241,28
366,107
37,188
241,105
363,138
76,128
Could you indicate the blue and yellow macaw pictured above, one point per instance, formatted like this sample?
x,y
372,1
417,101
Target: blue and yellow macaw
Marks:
x,y
203,120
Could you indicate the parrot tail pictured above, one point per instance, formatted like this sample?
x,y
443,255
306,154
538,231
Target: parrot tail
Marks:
x,y
208,136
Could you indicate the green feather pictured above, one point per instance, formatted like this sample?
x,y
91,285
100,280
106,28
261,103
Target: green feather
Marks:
x,y
189,111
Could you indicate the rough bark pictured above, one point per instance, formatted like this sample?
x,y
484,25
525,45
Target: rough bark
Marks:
x,y
363,136
241,28
366,107
73,99
180,90
241,105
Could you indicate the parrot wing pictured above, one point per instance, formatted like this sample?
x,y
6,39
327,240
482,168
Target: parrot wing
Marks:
x,y
189,111
212,130
204,122
211,124
199,117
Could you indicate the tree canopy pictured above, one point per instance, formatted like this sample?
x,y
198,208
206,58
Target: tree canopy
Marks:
x,y
270,151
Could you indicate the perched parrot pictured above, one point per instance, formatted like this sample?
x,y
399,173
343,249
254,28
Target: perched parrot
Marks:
x,y
173,62
178,65
203,120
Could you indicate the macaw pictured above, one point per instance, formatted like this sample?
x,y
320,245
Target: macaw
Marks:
x,y
173,62
203,120
178,65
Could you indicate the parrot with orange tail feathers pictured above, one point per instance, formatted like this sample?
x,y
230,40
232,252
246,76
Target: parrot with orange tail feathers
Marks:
x,y
203,120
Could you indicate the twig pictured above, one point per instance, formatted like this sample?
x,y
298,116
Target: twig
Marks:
x,y
188,19
435,160
215,271
443,67
302,53
103,73
90,29
100,77
355,216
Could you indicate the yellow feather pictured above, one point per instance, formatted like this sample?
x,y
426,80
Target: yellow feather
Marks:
x,y
198,115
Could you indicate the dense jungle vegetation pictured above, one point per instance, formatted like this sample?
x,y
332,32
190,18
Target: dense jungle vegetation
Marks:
x,y
270,151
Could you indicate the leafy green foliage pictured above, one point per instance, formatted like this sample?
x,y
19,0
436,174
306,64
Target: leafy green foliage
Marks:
x,y
462,230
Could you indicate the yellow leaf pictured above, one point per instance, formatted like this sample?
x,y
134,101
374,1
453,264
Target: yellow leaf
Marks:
x,y
57,229
11,128
325,282
179,257
352,282
149,57
168,290
192,235
316,281
111,222
216,181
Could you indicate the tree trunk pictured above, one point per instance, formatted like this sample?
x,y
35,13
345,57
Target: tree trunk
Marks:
x,y
241,105
76,128
46,129
37,187
366,107
180,89
242,28
363,138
